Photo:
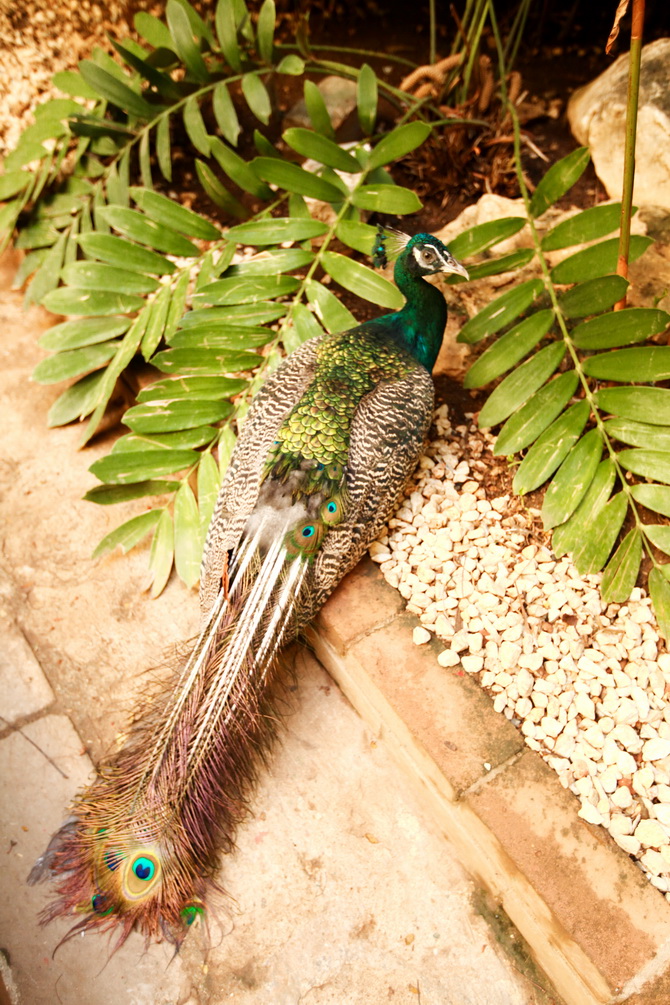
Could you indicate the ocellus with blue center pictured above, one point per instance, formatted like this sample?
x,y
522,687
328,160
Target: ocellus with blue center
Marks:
x,y
327,448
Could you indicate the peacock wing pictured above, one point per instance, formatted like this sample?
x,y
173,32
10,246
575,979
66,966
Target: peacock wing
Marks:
x,y
387,437
242,482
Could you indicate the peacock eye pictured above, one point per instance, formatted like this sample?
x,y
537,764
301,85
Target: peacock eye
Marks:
x,y
308,531
144,869
100,904
332,507
429,256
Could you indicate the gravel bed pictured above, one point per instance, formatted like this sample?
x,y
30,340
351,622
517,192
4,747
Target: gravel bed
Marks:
x,y
40,37
585,681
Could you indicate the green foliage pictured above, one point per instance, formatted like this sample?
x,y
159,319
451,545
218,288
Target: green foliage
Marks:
x,y
212,307
550,349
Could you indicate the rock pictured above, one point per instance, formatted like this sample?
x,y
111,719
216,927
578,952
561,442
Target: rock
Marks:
x,y
339,96
524,682
584,694
597,116
472,664
594,736
379,552
651,834
662,811
654,862
459,643
509,653
620,824
585,705
475,642
420,636
628,738
643,781
448,658
629,843
656,749
550,727
622,797
609,779
564,746
590,814
500,702
489,207
531,661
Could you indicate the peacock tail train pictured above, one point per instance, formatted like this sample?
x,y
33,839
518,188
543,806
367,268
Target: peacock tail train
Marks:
x,y
328,445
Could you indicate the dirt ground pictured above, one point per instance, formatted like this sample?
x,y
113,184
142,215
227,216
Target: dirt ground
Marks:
x,y
341,892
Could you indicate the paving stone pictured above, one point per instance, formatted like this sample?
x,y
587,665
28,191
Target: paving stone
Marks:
x,y
593,890
361,602
23,686
448,713
345,896
476,844
655,991
41,767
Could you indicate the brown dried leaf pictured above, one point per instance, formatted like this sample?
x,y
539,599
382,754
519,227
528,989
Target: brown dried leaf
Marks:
x,y
614,34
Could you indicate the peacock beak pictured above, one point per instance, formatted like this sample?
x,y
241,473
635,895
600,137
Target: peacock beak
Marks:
x,y
453,267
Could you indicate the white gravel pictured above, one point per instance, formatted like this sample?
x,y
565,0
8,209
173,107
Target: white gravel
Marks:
x,y
586,682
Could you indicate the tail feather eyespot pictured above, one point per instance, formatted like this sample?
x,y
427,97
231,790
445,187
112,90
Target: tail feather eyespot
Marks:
x,y
141,875
332,511
102,905
305,538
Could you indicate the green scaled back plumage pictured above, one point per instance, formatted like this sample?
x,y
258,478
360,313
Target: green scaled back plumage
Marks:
x,y
326,450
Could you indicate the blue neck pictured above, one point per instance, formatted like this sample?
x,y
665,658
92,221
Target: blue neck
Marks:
x,y
419,326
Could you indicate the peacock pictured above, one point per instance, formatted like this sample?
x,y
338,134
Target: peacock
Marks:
x,y
327,447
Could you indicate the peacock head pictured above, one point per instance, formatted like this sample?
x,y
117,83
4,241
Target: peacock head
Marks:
x,y
422,255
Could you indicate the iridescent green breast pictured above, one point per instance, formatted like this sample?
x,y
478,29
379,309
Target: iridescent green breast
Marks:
x,y
317,430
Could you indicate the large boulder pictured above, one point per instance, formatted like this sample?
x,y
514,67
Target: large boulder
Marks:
x,y
597,116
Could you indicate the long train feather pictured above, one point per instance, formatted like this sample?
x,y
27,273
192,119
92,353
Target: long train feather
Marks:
x,y
148,831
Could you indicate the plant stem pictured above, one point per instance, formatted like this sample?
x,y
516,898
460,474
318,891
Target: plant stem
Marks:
x,y
631,129
347,50
516,32
472,45
432,53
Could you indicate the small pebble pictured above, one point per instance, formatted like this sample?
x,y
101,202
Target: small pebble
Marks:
x,y
655,749
420,636
651,834
448,658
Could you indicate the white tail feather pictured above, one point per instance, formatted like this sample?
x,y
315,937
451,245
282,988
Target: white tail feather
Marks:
x,y
202,647
238,647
